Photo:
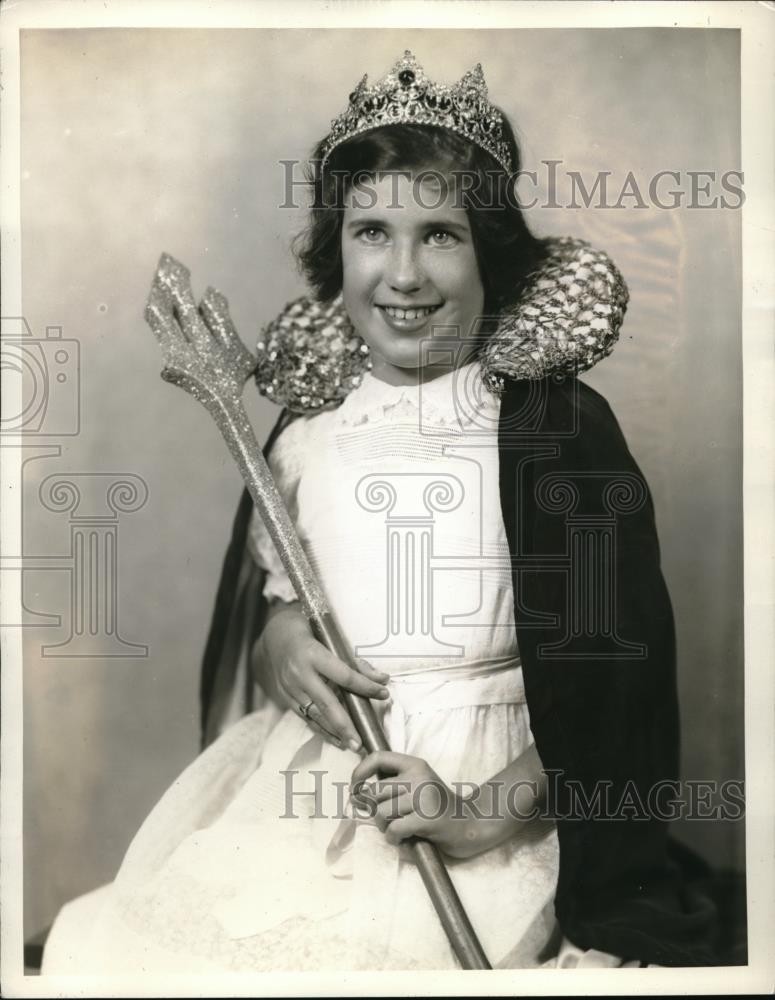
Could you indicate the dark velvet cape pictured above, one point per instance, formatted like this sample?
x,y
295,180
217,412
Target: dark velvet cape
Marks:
x,y
599,670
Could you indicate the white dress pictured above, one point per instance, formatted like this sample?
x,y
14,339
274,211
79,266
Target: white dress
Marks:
x,y
253,860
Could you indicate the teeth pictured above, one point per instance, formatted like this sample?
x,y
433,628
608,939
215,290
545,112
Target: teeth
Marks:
x,y
409,313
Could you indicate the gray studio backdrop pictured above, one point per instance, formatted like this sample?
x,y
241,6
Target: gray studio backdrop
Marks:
x,y
139,141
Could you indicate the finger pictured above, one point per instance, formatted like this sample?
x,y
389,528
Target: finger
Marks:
x,y
372,793
317,722
393,809
293,695
366,809
401,829
339,673
370,671
302,685
295,698
384,762
312,716
362,802
391,788
328,737
304,706
328,712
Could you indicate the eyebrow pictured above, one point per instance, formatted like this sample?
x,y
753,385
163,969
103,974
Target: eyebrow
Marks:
x,y
379,223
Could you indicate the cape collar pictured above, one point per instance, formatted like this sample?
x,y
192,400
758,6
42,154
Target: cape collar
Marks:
x,y
566,320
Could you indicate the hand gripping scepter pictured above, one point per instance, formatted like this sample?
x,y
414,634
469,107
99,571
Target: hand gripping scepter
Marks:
x,y
204,355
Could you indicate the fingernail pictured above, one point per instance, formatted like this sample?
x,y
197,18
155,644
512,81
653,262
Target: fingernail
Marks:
x,y
384,693
354,745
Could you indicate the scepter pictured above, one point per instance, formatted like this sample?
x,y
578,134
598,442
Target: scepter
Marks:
x,y
204,355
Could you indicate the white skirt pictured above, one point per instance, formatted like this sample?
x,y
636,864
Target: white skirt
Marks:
x,y
254,861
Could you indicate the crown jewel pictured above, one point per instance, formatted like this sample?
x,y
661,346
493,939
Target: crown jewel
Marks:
x,y
406,96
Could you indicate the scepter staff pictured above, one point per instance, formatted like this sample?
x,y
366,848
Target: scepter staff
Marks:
x,y
204,355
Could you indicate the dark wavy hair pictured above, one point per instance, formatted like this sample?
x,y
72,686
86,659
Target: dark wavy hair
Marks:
x,y
506,251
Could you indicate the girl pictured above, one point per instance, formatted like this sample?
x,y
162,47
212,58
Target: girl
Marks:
x,y
441,464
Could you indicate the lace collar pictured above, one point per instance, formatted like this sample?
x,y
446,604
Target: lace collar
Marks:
x,y
567,319
455,400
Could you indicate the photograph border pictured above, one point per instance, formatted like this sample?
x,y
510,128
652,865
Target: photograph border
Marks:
x,y
757,27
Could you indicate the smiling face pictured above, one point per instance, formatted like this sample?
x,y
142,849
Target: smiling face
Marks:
x,y
408,268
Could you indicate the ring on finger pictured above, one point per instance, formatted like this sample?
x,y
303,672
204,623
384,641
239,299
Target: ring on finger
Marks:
x,y
304,709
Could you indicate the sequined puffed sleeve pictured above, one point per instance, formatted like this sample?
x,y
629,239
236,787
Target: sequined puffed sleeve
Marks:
x,y
286,461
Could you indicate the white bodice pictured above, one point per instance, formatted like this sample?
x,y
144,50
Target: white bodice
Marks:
x,y
395,497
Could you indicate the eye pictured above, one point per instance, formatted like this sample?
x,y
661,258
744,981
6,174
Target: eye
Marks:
x,y
371,234
441,238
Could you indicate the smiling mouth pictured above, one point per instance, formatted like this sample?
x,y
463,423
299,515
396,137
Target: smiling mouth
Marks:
x,y
419,312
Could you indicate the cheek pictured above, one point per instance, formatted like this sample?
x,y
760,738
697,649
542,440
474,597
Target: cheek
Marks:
x,y
463,284
358,272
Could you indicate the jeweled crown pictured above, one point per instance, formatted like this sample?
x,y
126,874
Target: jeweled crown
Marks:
x,y
406,96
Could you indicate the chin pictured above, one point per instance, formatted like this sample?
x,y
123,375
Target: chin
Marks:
x,y
409,358
406,355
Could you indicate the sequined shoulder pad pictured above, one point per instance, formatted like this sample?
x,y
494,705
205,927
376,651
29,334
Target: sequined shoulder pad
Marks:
x,y
566,320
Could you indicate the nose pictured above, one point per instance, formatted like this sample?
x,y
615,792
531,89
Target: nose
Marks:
x,y
403,268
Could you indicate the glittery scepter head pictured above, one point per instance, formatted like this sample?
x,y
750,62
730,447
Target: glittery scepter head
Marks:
x,y
405,96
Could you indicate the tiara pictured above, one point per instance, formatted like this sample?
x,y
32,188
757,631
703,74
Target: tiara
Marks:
x,y
406,96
